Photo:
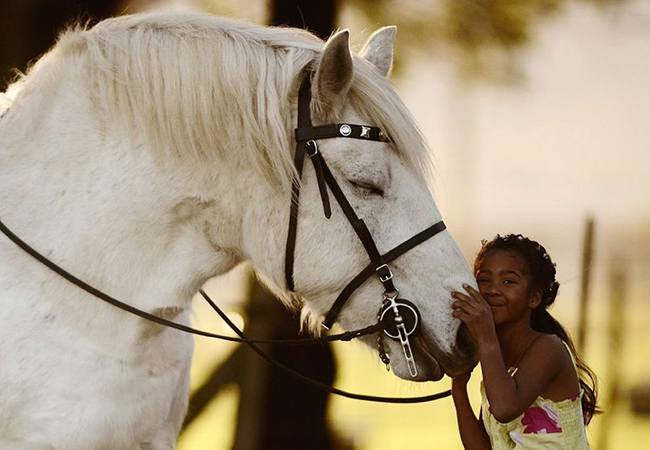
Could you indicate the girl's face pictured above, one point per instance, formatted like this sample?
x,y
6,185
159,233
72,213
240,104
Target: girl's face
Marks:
x,y
505,284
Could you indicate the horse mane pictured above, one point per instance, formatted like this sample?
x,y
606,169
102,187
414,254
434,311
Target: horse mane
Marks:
x,y
201,88
4,103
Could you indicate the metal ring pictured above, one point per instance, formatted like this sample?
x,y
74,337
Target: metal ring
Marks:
x,y
416,315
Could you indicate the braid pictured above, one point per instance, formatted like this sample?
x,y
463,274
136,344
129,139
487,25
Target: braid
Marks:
x,y
542,275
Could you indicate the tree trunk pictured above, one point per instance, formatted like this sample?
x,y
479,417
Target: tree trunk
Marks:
x,y
289,414
29,28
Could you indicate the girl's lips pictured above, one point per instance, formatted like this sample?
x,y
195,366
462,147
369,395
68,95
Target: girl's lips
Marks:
x,y
496,305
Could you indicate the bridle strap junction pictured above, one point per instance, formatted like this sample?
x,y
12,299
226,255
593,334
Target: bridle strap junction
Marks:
x,y
370,269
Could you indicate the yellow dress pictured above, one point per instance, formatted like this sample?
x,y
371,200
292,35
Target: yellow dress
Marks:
x,y
544,425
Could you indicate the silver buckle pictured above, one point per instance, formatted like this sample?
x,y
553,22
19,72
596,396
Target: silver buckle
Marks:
x,y
311,145
387,277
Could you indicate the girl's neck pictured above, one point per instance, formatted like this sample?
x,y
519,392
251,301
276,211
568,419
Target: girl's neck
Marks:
x,y
513,339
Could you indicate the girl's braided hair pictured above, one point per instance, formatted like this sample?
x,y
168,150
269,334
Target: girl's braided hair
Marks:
x,y
542,275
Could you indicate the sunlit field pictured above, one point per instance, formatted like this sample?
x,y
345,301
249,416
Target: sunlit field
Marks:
x,y
371,426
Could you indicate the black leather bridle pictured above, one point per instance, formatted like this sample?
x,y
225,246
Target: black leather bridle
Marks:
x,y
397,318
400,318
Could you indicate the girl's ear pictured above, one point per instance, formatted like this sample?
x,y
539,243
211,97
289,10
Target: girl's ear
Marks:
x,y
535,298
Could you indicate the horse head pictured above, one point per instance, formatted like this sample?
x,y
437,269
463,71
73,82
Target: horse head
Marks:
x,y
385,183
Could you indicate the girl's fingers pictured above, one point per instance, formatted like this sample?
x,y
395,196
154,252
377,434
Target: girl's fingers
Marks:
x,y
470,303
460,296
462,303
457,306
474,294
460,314
464,310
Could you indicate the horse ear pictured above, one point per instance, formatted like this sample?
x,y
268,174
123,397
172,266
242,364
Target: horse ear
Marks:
x,y
379,49
334,73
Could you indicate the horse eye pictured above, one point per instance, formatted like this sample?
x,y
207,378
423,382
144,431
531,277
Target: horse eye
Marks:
x,y
374,190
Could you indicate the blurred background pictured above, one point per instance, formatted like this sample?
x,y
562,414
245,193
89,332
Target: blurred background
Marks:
x,y
536,112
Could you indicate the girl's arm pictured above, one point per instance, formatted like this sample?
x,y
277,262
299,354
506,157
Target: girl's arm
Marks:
x,y
472,432
508,396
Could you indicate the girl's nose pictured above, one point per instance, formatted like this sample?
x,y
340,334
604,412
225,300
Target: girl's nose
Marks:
x,y
490,289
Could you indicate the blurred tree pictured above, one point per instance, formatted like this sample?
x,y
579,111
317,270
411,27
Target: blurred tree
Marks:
x,y
481,37
317,16
29,28
288,414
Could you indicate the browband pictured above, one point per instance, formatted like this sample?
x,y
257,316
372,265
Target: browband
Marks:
x,y
347,130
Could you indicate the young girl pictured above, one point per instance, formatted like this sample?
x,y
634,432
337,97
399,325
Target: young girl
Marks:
x,y
536,392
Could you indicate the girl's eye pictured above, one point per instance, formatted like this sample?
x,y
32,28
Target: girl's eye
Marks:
x,y
481,280
509,281
374,190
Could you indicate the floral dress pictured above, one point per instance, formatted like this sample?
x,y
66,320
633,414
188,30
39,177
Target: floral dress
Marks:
x,y
546,424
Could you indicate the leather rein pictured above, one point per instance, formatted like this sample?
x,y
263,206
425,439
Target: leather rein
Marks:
x,y
397,318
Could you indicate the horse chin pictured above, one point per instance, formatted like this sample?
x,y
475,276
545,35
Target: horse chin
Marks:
x,y
432,370
429,369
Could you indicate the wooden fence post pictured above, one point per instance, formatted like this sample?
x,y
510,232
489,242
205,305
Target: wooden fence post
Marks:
x,y
585,280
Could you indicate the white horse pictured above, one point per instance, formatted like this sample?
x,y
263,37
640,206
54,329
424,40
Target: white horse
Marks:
x,y
152,152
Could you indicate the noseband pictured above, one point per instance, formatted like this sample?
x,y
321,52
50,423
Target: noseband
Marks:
x,y
397,318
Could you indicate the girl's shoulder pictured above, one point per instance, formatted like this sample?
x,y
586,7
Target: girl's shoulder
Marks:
x,y
549,352
551,345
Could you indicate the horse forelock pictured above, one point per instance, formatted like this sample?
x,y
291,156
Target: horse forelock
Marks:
x,y
205,89
373,97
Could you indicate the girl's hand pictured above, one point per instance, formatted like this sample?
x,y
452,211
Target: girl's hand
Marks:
x,y
474,311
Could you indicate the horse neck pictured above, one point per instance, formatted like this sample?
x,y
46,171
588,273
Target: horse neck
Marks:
x,y
104,211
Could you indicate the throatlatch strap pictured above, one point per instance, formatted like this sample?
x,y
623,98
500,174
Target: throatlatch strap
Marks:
x,y
312,151
366,273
